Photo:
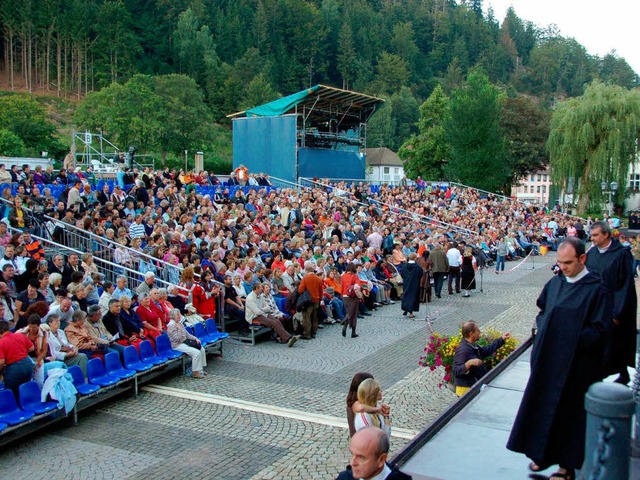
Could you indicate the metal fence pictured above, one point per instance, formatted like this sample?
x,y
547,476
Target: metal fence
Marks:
x,y
398,211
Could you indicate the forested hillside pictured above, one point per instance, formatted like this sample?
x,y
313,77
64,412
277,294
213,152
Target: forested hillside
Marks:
x,y
241,53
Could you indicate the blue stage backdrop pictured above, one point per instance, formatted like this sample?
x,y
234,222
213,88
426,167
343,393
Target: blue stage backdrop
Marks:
x,y
266,144
330,164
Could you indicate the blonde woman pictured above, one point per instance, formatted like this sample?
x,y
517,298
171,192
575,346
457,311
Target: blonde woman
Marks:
x,y
369,394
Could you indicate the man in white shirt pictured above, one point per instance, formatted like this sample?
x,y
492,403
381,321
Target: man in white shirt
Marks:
x,y
455,261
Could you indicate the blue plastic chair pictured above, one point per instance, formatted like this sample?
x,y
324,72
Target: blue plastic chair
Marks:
x,y
212,330
147,354
114,366
82,387
200,332
10,413
132,360
29,394
3,426
163,347
97,374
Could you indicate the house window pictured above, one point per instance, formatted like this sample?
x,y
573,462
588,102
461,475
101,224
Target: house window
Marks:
x,y
538,189
385,170
396,171
531,189
545,177
634,181
533,179
539,177
544,189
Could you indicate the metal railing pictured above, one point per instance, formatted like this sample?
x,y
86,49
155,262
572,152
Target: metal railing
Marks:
x,y
109,269
398,211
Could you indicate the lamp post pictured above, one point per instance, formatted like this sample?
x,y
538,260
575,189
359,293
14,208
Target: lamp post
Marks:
x,y
613,188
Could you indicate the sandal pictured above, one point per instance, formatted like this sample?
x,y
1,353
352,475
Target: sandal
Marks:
x,y
534,467
568,475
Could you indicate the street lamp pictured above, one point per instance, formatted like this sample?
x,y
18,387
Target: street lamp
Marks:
x,y
613,188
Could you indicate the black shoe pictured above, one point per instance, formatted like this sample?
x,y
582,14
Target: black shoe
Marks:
x,y
366,314
439,296
404,313
354,335
344,330
360,316
320,325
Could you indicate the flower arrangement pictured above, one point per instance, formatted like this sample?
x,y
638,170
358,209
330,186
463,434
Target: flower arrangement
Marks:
x,y
440,350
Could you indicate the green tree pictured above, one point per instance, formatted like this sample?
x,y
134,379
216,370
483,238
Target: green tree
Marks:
x,y
594,138
185,119
526,128
426,153
393,73
23,116
258,91
616,70
10,144
473,131
346,56
405,113
380,128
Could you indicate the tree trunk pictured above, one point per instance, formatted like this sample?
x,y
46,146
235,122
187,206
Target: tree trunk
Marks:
x,y
583,199
59,64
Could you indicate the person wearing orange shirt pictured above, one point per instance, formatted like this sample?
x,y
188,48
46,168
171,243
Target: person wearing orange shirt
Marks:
x,y
313,285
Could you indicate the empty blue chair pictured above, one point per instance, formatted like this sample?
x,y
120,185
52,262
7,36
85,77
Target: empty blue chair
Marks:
x,y
3,426
163,347
201,333
82,387
97,374
147,354
30,401
114,366
189,329
212,330
10,413
132,360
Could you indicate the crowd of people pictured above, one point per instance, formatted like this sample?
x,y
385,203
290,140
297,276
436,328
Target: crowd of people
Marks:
x,y
242,251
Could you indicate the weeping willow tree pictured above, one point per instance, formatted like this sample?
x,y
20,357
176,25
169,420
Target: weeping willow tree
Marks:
x,y
594,138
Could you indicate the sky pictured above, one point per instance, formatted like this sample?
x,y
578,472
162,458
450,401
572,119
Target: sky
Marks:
x,y
601,26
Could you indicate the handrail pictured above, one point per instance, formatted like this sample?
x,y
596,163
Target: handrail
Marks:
x,y
81,234
115,268
405,213
504,197
281,183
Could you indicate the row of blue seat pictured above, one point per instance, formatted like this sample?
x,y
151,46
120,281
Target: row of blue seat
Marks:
x,y
101,374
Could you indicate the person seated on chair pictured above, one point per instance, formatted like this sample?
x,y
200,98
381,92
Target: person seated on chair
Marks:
x,y
61,349
270,306
123,332
255,314
184,342
96,329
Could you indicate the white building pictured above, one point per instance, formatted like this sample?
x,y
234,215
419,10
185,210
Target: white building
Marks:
x,y
383,166
534,188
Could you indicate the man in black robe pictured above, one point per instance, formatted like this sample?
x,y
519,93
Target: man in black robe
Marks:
x,y
411,276
566,358
614,263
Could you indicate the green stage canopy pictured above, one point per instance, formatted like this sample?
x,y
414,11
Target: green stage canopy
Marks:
x,y
318,97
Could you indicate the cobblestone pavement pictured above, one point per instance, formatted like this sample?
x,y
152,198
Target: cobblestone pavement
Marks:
x,y
158,436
